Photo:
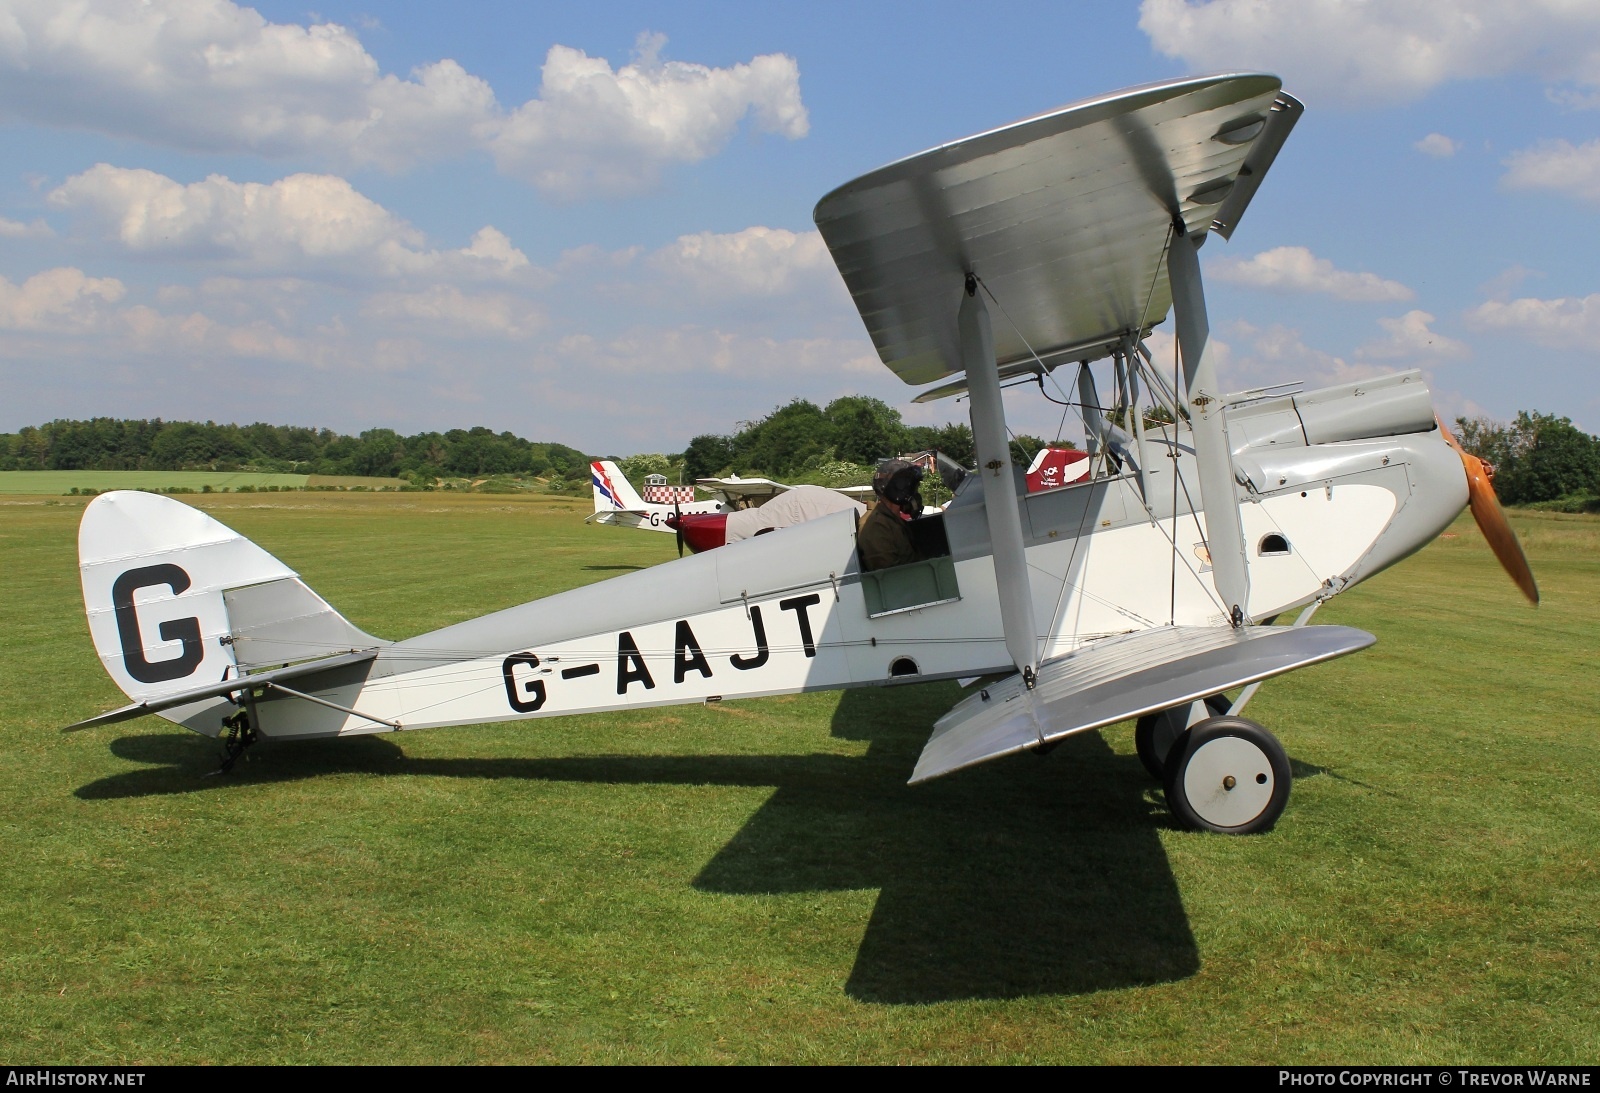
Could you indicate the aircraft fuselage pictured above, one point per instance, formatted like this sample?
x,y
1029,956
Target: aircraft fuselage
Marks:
x,y
793,611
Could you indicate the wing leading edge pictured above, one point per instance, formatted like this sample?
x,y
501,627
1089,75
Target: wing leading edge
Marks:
x,y
1119,678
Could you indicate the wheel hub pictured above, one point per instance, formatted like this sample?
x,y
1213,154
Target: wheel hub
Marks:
x,y
1228,781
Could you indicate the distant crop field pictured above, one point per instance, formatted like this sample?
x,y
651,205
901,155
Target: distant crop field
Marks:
x,y
60,482
754,881
346,481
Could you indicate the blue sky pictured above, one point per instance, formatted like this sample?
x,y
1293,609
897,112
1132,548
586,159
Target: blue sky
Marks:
x,y
592,223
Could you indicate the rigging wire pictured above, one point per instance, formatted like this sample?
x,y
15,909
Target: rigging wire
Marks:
x,y
1178,415
1078,536
1062,427
1044,370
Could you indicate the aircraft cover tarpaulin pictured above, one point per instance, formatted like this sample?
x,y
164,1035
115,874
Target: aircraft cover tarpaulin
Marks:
x,y
791,507
1064,217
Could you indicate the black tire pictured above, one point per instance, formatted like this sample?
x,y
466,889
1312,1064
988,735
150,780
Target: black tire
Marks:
x,y
1155,733
1228,775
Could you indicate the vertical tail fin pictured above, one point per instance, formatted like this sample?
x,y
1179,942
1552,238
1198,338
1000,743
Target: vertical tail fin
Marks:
x,y
612,490
177,601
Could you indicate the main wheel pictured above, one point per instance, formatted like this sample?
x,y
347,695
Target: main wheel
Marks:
x,y
1155,733
1228,774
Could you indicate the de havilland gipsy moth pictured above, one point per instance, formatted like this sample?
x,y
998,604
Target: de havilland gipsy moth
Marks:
x,y
1146,588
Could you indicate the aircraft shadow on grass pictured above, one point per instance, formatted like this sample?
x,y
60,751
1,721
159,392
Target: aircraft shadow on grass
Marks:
x,y
1023,877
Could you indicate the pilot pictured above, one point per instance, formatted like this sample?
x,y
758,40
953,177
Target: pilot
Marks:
x,y
884,540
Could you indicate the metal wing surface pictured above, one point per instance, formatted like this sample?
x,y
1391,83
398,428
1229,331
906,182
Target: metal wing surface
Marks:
x,y
736,489
1063,216
1118,678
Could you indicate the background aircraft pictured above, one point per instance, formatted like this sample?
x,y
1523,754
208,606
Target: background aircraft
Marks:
x,y
703,525
618,504
794,505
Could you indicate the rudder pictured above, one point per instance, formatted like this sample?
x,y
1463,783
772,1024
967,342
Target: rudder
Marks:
x,y
177,600
612,490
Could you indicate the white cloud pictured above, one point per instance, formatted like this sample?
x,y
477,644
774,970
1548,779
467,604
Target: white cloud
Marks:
x,y
1562,323
1374,51
13,229
1438,146
92,330
595,130
1264,356
58,300
303,223
1296,269
493,248
590,257
88,313
446,309
210,76
692,349
1573,170
152,332
757,261
1409,338
1504,283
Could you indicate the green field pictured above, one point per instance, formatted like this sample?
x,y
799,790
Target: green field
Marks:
x,y
63,482
754,882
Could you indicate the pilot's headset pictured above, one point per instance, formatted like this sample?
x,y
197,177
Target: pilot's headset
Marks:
x,y
899,480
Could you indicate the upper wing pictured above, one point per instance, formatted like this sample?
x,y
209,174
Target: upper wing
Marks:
x,y
736,489
1063,216
1122,677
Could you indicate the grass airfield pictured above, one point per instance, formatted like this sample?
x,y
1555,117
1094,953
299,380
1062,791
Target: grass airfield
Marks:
x,y
754,882
59,483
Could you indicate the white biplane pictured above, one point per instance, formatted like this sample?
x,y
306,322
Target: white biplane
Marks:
x,y
1145,589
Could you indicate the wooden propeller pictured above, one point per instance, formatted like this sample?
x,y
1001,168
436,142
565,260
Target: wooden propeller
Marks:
x,y
1491,517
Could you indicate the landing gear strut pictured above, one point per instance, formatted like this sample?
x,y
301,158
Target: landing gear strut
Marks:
x,y
241,734
1229,775
1155,733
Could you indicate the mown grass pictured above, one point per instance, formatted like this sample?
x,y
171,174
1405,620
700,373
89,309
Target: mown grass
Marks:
x,y
754,881
63,482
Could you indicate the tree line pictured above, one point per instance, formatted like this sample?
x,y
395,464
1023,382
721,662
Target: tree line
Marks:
x,y
114,444
799,439
1537,458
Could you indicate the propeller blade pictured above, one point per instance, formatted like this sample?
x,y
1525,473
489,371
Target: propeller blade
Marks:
x,y
1491,518
677,525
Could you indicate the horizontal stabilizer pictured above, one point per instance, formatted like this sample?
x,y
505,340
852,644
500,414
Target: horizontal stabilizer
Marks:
x,y
1121,678
227,686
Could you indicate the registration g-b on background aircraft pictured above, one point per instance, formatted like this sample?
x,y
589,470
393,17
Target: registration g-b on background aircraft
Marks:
x,y
1145,588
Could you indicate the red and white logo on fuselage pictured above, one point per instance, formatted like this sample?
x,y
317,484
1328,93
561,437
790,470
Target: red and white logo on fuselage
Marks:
x,y
1053,468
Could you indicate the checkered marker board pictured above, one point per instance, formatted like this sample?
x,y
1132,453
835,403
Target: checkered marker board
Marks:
x,y
669,495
